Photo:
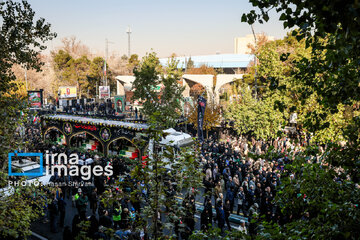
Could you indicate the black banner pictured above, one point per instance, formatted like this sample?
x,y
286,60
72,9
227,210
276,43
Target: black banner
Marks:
x,y
201,113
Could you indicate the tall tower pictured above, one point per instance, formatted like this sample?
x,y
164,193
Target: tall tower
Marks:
x,y
128,31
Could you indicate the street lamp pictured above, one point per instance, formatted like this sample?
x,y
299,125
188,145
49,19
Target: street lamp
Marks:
x,y
106,59
255,61
26,81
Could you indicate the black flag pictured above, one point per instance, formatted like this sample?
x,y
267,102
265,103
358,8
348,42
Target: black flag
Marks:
x,y
201,113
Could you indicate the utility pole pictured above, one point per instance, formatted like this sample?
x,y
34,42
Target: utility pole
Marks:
x,y
106,58
128,31
255,61
26,79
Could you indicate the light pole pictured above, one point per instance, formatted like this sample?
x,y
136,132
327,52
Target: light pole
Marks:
x,y
26,79
255,61
128,31
106,59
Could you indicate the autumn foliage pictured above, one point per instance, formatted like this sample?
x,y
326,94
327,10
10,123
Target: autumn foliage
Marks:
x,y
212,116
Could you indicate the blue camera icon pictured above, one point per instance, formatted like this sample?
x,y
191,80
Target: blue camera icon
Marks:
x,y
26,174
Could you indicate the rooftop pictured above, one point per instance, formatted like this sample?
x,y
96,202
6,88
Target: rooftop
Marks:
x,y
216,60
97,121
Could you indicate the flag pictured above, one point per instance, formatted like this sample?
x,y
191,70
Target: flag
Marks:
x,y
36,119
201,114
105,68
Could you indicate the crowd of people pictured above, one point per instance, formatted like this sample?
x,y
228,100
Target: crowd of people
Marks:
x,y
105,108
84,196
91,107
235,182
72,194
239,181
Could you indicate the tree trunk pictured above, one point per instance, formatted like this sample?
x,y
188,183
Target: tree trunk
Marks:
x,y
156,192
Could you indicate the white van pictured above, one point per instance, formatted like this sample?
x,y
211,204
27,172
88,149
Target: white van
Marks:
x,y
26,166
174,139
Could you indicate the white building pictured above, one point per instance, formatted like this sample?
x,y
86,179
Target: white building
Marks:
x,y
241,43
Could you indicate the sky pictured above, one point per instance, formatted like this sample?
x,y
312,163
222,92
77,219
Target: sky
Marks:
x,y
187,27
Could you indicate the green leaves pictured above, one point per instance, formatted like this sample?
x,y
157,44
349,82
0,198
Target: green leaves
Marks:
x,y
243,18
162,108
283,17
324,86
21,39
80,72
256,117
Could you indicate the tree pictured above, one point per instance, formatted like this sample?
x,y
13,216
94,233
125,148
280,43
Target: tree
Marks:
x,y
190,64
163,108
74,47
35,80
261,40
124,57
326,189
81,67
162,111
338,65
203,69
133,62
21,39
96,74
276,76
196,90
256,117
86,75
212,117
61,62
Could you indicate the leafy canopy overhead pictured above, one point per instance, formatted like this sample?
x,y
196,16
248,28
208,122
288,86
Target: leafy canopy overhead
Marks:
x,y
22,37
334,38
325,185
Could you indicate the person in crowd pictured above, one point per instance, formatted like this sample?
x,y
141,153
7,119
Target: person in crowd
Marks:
x,y
230,197
132,216
240,201
81,204
221,216
125,215
94,226
229,169
208,206
205,219
242,227
105,220
227,210
75,226
117,211
67,234
53,213
94,200
218,190
62,209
